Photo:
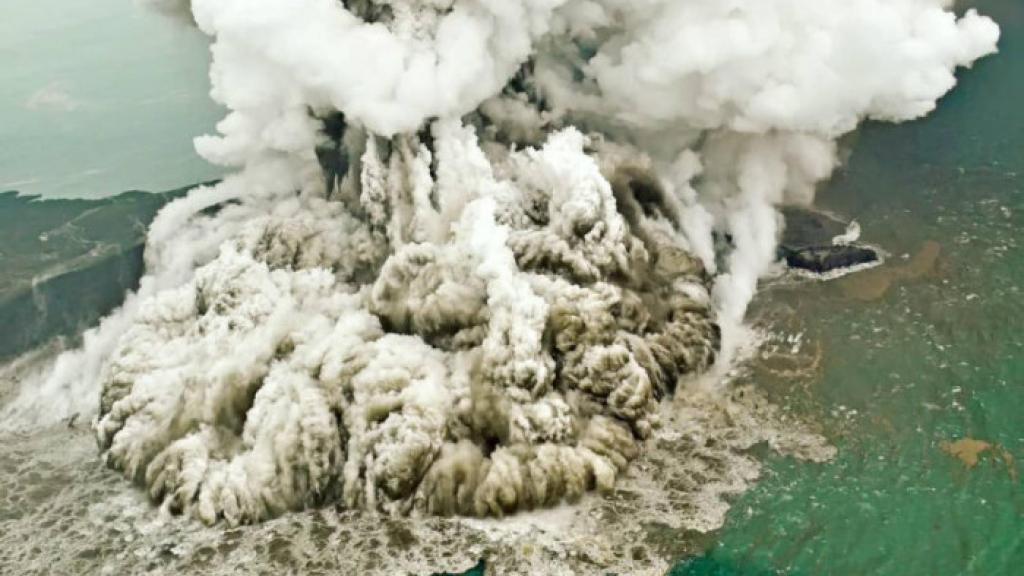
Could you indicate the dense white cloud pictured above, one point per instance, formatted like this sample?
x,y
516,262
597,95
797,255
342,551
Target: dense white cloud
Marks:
x,y
776,65
335,352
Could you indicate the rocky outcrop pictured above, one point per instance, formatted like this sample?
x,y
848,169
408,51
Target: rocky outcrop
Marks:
x,y
809,243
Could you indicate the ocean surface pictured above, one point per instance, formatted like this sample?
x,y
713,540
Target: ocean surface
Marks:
x,y
914,370
98,97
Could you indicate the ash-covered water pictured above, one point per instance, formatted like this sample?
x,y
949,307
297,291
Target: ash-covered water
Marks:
x,y
64,512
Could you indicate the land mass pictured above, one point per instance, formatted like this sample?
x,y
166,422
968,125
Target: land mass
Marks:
x,y
807,244
67,263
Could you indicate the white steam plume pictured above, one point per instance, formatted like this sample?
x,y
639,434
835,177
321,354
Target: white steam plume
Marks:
x,y
472,243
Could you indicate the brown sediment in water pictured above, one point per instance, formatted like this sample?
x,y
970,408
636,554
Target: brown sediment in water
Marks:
x,y
924,262
874,283
1010,461
967,450
883,423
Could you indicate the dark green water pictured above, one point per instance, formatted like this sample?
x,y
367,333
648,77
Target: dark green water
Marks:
x,y
937,357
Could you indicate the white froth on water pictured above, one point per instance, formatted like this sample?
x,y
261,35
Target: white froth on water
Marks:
x,y
74,516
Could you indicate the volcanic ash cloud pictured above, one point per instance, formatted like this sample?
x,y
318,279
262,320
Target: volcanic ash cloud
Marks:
x,y
491,339
472,243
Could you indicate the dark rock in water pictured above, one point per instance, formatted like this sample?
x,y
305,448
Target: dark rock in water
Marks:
x,y
827,258
68,263
807,243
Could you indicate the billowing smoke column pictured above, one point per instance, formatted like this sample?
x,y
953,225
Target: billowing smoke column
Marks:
x,y
472,243
489,338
